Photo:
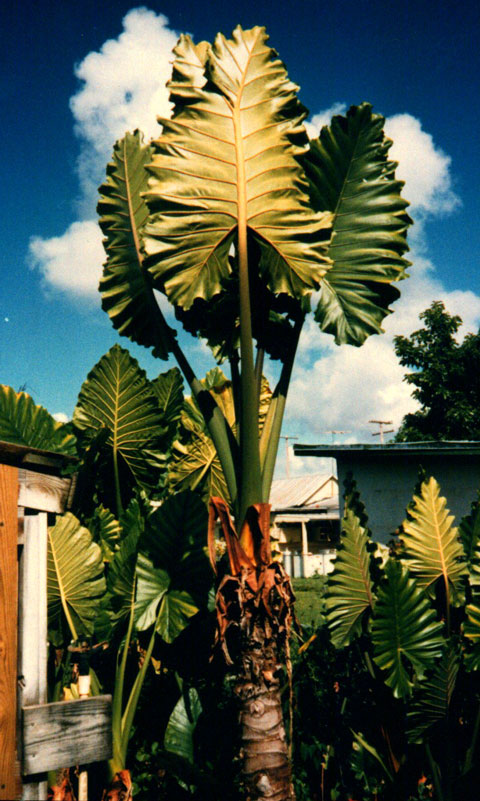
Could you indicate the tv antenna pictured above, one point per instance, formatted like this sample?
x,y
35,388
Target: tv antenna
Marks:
x,y
382,431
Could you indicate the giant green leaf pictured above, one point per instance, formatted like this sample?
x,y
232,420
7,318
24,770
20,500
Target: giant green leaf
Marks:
x,y
173,572
431,700
175,539
351,176
226,161
118,398
432,548
127,294
158,604
75,578
350,591
25,423
405,631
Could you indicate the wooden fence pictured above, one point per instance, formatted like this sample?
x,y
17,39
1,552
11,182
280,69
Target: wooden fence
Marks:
x,y
35,736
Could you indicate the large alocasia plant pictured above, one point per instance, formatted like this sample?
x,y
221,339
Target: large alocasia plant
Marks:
x,y
235,217
407,621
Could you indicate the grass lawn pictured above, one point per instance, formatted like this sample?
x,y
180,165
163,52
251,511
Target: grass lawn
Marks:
x,y
309,600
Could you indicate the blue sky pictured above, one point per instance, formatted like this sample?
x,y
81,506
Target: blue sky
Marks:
x,y
75,71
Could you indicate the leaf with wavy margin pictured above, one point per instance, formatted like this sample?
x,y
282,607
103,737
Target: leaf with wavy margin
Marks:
x,y
126,286
351,176
25,423
431,700
349,588
405,630
226,161
117,397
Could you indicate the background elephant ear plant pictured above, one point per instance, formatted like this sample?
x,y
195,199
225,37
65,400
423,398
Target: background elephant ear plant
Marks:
x,y
238,219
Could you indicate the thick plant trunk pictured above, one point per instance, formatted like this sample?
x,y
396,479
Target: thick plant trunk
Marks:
x,y
254,616
266,763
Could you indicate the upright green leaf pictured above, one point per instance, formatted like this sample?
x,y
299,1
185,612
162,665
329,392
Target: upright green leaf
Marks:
x,y
106,530
181,726
227,160
431,700
25,423
471,630
350,591
432,548
169,390
127,294
195,463
118,398
469,531
405,631
75,578
351,176
121,579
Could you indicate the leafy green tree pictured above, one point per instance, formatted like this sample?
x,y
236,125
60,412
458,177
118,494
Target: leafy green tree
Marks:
x,y
238,219
446,377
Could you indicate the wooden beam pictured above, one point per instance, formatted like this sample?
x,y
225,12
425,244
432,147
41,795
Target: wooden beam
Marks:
x,y
32,629
67,733
43,493
9,779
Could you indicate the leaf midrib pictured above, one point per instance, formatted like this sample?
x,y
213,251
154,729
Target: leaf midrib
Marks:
x,y
61,590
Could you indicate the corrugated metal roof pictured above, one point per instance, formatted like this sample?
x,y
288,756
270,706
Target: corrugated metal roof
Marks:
x,y
301,491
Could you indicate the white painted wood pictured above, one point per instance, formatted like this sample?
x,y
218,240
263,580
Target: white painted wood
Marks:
x,y
43,493
304,539
32,645
67,733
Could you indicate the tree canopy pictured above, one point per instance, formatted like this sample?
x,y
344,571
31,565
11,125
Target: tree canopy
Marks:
x,y
446,377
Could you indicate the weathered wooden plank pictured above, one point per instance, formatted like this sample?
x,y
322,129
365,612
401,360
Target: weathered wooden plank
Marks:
x,y
9,780
67,733
16,455
32,628
42,492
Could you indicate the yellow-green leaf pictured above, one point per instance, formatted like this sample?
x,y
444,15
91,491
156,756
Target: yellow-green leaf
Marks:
x,y
432,548
228,161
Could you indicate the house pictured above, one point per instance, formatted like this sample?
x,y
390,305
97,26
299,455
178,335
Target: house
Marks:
x,y
387,475
306,522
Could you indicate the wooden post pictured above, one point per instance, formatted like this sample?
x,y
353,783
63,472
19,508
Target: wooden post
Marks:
x,y
9,779
32,666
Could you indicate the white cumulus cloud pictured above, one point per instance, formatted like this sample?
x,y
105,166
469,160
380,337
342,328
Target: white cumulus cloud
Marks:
x,y
423,166
71,263
315,124
123,87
